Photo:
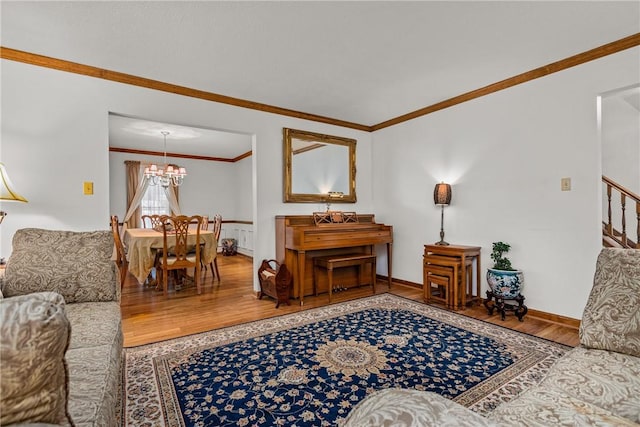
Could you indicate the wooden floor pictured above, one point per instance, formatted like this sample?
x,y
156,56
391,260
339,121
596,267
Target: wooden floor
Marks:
x,y
149,317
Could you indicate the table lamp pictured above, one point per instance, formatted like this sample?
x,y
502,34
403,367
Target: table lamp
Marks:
x,y
7,194
442,197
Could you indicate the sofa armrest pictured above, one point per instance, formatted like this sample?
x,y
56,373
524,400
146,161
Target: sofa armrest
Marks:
x,y
407,407
77,265
34,336
611,319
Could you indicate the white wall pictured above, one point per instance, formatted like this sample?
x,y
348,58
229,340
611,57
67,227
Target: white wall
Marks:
x,y
504,155
55,136
243,176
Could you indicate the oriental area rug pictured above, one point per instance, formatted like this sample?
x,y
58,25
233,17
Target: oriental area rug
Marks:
x,y
311,368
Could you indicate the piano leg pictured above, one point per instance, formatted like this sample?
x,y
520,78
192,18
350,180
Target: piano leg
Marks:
x,y
301,267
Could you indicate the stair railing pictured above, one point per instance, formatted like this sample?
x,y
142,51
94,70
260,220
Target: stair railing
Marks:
x,y
620,235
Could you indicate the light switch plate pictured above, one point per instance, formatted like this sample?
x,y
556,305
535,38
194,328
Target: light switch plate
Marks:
x,y
565,184
88,188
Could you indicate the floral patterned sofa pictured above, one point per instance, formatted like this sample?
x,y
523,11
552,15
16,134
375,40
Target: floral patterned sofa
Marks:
x,y
594,384
61,336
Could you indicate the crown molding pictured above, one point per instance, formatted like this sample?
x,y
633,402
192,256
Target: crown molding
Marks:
x,y
545,70
179,155
115,76
87,70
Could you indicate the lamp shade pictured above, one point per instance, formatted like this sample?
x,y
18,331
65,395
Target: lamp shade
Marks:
x,y
7,193
442,194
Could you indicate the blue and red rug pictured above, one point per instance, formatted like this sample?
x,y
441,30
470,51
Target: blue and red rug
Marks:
x,y
311,368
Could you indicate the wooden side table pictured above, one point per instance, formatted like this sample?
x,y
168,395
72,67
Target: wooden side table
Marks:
x,y
463,253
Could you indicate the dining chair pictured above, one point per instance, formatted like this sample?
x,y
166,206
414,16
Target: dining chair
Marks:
x,y
217,228
178,254
153,221
205,222
146,221
121,255
204,226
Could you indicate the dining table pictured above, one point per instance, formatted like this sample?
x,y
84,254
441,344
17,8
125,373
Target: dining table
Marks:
x,y
143,243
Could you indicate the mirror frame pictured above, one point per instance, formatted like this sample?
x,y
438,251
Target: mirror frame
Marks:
x,y
289,197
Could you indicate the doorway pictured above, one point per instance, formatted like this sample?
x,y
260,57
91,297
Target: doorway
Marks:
x,y
218,163
619,119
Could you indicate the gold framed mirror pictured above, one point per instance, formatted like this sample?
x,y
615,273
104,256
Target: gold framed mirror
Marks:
x,y
318,168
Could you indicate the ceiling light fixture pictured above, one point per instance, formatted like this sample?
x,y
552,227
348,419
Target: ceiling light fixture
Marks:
x,y
167,174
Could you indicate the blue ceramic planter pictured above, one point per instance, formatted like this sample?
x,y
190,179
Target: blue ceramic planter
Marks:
x,y
506,284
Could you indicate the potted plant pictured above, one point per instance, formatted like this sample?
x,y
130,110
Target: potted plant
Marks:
x,y
504,280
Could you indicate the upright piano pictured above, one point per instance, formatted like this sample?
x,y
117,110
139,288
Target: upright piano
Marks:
x,y
299,240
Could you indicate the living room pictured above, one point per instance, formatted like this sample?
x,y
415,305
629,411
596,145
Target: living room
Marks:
x,y
504,153
538,132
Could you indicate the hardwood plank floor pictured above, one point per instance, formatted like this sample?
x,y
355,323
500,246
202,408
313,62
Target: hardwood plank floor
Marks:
x,y
149,317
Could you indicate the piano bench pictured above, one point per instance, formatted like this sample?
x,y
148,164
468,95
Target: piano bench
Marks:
x,y
343,260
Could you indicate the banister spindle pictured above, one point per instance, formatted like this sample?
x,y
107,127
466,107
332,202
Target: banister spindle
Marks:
x,y
623,202
609,225
618,234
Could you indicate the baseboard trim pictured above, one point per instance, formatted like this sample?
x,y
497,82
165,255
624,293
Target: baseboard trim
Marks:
x,y
555,318
238,253
400,281
549,317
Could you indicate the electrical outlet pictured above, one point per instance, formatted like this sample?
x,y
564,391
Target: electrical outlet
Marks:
x,y
565,184
88,188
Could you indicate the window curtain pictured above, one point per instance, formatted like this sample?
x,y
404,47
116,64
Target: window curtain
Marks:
x,y
172,196
135,190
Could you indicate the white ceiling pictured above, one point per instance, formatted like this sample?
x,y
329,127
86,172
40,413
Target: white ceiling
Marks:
x,y
141,134
359,61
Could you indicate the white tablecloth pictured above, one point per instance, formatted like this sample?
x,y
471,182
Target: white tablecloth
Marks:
x,y
142,243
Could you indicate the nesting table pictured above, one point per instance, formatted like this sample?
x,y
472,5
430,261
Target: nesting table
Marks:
x,y
456,256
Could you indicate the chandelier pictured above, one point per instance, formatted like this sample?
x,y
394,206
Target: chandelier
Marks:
x,y
165,175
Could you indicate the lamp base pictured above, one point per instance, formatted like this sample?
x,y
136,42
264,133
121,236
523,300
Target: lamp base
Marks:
x,y
442,242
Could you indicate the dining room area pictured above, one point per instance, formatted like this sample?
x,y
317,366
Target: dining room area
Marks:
x,y
178,193
168,244
171,263
165,168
